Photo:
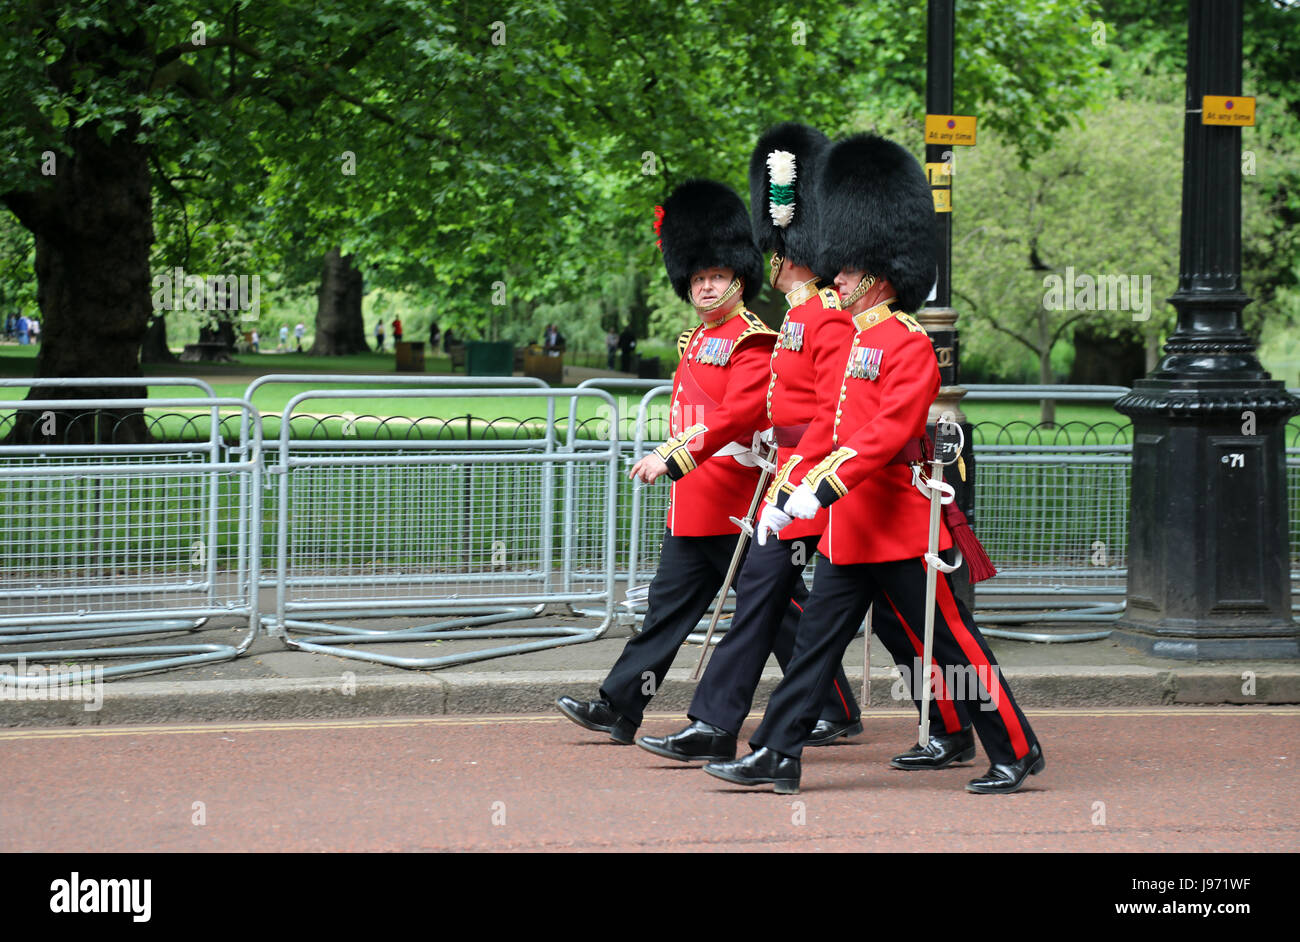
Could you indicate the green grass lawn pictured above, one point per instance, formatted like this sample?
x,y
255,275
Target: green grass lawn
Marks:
x,y
476,416
373,514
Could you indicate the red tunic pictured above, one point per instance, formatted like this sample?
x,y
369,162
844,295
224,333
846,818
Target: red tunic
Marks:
x,y
808,358
886,384
718,399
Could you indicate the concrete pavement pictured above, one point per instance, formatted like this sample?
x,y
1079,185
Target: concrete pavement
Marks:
x,y
274,683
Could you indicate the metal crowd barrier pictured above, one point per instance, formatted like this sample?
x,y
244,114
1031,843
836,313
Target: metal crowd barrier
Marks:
x,y
111,537
648,512
350,424
106,538
409,525
1051,508
649,504
625,509
1065,552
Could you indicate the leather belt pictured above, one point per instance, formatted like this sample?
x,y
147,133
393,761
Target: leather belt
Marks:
x,y
787,436
914,451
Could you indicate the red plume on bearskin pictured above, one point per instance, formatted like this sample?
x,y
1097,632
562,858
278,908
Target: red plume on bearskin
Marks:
x,y
659,224
978,563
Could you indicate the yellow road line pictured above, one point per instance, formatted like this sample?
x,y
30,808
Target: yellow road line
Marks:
x,y
485,720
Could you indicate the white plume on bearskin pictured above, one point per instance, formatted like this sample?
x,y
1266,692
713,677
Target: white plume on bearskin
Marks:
x,y
782,170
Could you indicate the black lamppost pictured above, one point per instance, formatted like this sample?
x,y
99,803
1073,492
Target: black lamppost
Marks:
x,y
1208,559
938,317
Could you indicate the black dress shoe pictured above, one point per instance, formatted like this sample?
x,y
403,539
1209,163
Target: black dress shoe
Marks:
x,y
699,741
761,767
1004,778
940,752
600,716
827,731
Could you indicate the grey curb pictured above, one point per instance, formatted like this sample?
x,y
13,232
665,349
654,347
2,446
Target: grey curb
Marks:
x,y
414,693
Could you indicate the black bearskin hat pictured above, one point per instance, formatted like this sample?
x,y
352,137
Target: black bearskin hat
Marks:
x,y
704,225
876,214
782,178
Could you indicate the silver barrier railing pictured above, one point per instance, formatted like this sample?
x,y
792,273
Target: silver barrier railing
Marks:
x,y
446,527
1046,544
649,502
987,392
619,416
267,501
648,513
106,539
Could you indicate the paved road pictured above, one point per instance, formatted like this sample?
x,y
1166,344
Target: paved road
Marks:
x,y
1204,779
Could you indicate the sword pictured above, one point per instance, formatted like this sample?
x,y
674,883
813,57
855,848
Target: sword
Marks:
x,y
936,490
746,531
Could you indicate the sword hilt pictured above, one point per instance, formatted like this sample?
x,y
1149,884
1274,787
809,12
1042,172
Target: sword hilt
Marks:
x,y
746,527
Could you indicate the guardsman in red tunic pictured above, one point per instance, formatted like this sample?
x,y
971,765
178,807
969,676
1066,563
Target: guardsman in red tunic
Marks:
x,y
876,228
782,171
717,406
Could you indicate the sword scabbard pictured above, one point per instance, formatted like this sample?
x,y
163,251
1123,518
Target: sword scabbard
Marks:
x,y
746,531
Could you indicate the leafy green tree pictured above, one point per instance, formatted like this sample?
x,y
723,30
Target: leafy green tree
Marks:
x,y
445,151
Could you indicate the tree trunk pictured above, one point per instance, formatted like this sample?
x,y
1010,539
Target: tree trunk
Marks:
x,y
216,344
339,328
93,225
154,349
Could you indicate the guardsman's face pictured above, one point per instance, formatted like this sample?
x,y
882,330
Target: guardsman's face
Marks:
x,y
708,284
847,280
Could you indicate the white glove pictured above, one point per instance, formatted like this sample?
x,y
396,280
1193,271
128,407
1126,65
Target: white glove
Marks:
x,y
771,520
803,503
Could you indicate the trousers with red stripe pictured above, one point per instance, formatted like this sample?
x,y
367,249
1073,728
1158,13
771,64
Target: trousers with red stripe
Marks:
x,y
773,573
832,614
691,571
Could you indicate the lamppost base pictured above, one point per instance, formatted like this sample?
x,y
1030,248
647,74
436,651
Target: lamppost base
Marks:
x,y
1208,558
1198,648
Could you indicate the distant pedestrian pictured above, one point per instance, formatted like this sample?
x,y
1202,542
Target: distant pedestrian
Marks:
x,y
284,339
379,336
24,325
397,330
299,332
627,345
448,340
611,347
36,330
435,338
553,341
254,340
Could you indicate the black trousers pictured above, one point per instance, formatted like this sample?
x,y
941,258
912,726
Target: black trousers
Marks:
x,y
691,571
839,601
771,575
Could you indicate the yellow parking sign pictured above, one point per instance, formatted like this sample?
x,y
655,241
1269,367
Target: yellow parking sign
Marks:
x,y
950,129
1234,110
